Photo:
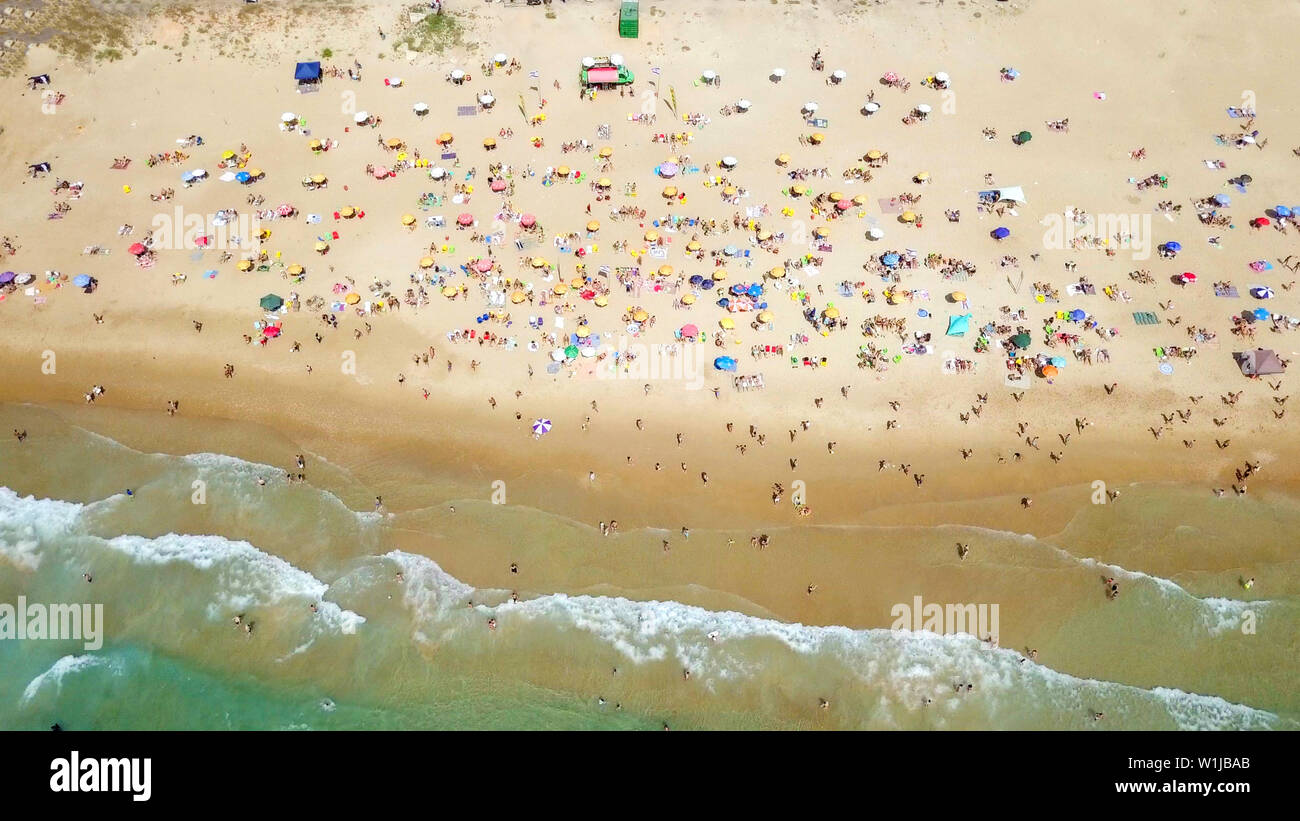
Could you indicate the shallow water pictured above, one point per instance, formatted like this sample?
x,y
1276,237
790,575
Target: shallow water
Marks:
x,y
379,652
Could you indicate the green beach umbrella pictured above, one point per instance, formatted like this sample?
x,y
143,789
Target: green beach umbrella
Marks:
x,y
571,351
1024,137
271,302
1021,341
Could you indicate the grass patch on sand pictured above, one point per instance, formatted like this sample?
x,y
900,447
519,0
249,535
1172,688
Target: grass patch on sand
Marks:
x,y
435,33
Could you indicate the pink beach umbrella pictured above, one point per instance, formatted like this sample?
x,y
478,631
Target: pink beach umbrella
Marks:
x,y
380,172
483,266
498,185
465,219
528,220
690,330
844,205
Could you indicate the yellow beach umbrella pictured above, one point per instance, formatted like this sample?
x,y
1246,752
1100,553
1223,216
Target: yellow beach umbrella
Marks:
x,y
295,270
426,262
444,138
518,297
583,332
817,138
314,145
576,282
347,211
602,301
909,216
559,289
765,316
640,316
254,172
719,275
958,296
727,323
764,235
450,291
860,199
874,154
230,155
837,195
821,232
245,265
923,176
831,313
352,298
322,246
606,152
563,171
604,182
670,191
318,178
408,219
689,299
776,273
594,225
490,142
693,245
665,270
783,159
540,262
652,235
729,191
798,190
393,142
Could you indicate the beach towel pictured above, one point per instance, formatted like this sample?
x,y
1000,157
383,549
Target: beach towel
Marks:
x,y
1145,318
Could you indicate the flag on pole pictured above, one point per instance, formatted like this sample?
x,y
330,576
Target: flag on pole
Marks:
x,y
672,95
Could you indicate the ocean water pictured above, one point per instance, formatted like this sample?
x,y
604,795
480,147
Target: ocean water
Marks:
x,y
381,652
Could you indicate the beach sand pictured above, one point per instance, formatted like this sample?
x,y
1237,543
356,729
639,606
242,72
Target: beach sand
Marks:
x,y
873,537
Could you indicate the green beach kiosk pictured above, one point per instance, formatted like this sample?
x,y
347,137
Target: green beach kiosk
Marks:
x,y
604,72
629,14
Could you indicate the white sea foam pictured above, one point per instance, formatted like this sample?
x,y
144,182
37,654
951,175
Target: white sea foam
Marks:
x,y
65,666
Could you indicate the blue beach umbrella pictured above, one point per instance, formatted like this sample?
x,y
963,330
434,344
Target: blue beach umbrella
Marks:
x,y
957,325
1282,211
1222,199
1001,233
730,250
890,260
243,176
1261,313
1078,315
724,303
81,280
1173,245
697,280
755,290
724,363
1059,361
1262,292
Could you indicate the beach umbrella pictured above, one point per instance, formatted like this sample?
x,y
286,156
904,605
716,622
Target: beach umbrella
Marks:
x,y
923,109
353,298
958,325
765,316
1023,137
200,173
690,330
426,262
875,233
437,172
874,154
347,212
483,265
1174,246
693,246
743,104
318,178
1222,199
295,269
1262,292
606,152
528,220
444,138
593,226
1282,211
450,291
1261,313
1022,341
420,108
909,216
6,278
541,426
817,138
1078,315
271,331
777,74
783,159
229,176
890,260
288,117
571,351
871,108
652,235
465,219
668,169
188,176
245,265
408,219
726,323
1260,222
490,142
729,162
500,59
539,262
560,289
361,117
243,176
604,182
831,313
583,332
1049,371
719,275
81,280
776,273
730,250
665,270
1058,361
821,232
640,315
669,191
709,76
689,299
724,363
486,100
810,107
457,74
1001,233
380,172
843,205
839,74
322,246
271,302
23,279
518,297
958,296
729,191
1188,276
498,185
137,249
941,76
563,171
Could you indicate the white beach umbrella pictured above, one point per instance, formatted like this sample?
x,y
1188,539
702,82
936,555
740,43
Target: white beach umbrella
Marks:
x,y
616,59
875,233
394,82
728,162
361,116
420,108
588,62
923,109
709,76
288,117
437,172
871,108
778,73
229,176
743,105
810,107
500,58
457,74
941,76
839,74
199,173
486,100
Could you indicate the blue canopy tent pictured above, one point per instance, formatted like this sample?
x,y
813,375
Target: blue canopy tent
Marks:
x,y
957,325
308,76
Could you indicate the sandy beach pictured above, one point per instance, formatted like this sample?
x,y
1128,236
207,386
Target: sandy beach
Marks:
x,y
1105,447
